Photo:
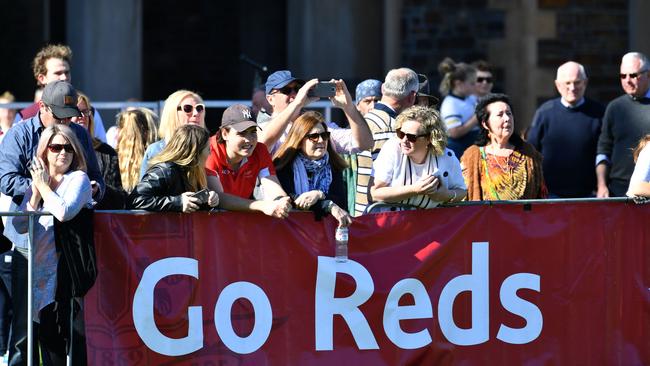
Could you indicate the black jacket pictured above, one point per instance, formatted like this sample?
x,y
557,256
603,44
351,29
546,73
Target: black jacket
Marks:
x,y
160,189
337,192
114,196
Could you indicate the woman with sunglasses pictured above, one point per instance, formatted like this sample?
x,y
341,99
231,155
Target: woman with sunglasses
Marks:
x,y
457,108
310,171
415,167
106,157
501,166
181,107
176,174
61,187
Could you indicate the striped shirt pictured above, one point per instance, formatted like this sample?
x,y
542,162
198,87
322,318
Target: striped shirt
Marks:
x,y
381,122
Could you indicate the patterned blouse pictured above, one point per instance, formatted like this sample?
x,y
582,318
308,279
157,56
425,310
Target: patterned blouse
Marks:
x,y
503,177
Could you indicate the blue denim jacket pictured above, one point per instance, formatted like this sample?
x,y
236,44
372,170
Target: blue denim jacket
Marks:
x,y
16,152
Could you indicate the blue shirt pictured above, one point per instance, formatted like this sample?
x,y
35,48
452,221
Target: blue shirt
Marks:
x,y
16,152
152,150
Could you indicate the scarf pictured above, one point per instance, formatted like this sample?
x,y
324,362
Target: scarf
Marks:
x,y
309,175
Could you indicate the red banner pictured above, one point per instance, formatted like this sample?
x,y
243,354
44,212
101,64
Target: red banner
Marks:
x,y
564,283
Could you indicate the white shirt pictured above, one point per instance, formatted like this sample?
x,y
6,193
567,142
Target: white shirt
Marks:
x,y
642,168
456,111
396,169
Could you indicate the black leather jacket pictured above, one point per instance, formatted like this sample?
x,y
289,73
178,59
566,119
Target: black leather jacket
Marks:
x,y
160,189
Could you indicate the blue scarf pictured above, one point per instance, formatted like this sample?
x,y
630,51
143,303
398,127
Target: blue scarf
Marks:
x,y
309,175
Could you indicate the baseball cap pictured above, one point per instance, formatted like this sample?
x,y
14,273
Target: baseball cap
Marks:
x,y
367,88
279,79
239,117
61,97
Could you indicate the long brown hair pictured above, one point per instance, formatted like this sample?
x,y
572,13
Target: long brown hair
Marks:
x,y
299,130
186,148
642,143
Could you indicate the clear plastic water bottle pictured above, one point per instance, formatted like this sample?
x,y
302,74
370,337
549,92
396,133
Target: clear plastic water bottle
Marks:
x,y
341,250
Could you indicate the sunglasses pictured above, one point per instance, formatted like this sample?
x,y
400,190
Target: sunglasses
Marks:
x,y
188,108
633,75
287,90
313,137
409,136
56,148
484,80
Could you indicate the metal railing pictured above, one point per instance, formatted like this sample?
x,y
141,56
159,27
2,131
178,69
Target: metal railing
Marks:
x,y
30,256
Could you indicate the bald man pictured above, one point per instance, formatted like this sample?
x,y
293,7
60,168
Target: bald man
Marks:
x,y
565,130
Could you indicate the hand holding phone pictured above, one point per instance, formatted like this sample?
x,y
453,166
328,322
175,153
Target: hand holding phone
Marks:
x,y
324,89
203,196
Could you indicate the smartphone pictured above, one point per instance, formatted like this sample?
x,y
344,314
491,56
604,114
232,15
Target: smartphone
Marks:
x,y
324,89
203,195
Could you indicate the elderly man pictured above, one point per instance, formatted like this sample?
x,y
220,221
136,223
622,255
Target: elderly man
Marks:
x,y
565,130
398,93
288,95
626,120
367,93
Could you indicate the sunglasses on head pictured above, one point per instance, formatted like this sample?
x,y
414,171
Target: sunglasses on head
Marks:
x,y
488,79
56,148
313,137
409,136
188,108
633,75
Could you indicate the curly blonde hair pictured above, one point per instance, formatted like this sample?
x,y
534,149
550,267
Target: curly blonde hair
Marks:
x,y
136,133
431,124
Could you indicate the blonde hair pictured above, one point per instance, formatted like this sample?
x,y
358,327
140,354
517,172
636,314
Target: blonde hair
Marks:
x,y
136,133
169,121
430,123
452,72
186,149
81,97
78,159
642,143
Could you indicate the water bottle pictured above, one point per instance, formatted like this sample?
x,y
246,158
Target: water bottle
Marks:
x,y
341,250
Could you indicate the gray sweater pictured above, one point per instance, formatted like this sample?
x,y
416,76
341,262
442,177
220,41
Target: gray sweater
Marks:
x,y
626,120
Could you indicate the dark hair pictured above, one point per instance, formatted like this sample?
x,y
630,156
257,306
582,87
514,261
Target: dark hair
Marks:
x,y
482,65
482,114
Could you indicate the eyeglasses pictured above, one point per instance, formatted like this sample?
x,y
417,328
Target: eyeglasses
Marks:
x,y
488,79
409,136
85,112
52,112
633,75
287,90
313,137
56,148
188,108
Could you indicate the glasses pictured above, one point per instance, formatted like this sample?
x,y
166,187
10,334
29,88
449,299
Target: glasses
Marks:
x,y
188,108
56,148
488,79
633,75
52,112
287,90
85,112
313,137
409,136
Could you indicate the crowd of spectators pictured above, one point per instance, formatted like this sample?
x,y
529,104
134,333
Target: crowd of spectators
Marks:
x,y
398,147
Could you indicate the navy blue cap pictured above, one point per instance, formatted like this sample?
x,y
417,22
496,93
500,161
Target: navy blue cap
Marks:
x,y
278,80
